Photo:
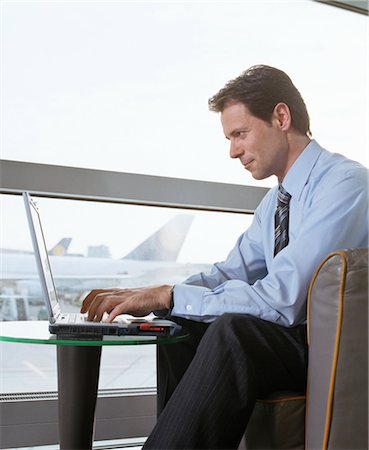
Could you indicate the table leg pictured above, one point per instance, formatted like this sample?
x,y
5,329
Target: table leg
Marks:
x,y
158,406
78,377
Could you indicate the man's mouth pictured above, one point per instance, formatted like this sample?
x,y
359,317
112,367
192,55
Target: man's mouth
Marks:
x,y
246,164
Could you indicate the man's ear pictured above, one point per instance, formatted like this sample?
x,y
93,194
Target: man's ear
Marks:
x,y
282,115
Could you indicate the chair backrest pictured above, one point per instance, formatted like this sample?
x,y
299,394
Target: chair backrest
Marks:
x,y
337,393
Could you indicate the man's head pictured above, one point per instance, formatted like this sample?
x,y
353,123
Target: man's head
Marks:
x,y
260,88
265,119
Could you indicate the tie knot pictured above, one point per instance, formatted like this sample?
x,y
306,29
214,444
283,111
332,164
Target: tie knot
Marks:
x,y
283,196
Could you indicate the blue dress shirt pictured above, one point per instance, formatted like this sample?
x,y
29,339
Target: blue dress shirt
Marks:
x,y
328,211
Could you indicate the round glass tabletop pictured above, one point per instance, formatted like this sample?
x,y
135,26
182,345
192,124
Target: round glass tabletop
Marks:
x,y
37,332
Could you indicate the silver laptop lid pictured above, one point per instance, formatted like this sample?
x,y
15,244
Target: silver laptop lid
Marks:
x,y
42,258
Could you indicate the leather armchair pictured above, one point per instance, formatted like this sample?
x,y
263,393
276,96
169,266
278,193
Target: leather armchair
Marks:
x,y
333,413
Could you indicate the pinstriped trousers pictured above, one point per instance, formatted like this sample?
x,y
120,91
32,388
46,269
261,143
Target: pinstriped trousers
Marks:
x,y
208,385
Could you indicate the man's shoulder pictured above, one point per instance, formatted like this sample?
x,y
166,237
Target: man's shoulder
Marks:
x,y
337,180
338,160
332,167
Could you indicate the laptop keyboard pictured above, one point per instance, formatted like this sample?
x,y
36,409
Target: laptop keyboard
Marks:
x,y
73,318
78,318
81,318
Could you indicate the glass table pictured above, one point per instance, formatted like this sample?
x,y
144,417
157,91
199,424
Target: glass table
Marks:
x,y
78,366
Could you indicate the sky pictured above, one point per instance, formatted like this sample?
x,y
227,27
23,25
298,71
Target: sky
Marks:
x,y
124,86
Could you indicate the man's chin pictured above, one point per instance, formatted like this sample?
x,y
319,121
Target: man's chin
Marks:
x,y
257,176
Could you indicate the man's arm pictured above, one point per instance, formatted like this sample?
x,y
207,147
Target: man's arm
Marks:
x,y
247,264
337,218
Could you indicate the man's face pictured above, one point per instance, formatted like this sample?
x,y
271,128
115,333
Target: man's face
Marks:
x,y
262,148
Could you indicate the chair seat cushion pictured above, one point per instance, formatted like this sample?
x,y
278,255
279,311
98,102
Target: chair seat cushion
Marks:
x,y
277,422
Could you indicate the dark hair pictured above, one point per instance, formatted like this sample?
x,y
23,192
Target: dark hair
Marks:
x,y
260,88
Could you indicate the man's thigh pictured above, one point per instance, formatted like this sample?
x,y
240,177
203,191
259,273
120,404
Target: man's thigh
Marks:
x,y
276,355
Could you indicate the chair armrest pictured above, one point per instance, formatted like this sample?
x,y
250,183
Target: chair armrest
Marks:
x,y
337,391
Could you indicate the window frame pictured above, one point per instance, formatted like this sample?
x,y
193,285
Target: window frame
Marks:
x,y
357,6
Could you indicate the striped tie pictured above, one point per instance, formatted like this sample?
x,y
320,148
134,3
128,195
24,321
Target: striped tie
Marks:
x,y
281,220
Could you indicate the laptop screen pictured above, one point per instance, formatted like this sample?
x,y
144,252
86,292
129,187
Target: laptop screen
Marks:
x,y
42,258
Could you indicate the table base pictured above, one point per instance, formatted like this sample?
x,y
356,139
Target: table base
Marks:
x,y
78,378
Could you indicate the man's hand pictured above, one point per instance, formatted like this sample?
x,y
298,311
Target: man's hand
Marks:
x,y
137,302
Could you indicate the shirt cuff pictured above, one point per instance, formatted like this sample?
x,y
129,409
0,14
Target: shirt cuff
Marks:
x,y
188,301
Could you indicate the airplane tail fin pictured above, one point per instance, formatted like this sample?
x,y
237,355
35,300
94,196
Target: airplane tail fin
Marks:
x,y
166,243
61,248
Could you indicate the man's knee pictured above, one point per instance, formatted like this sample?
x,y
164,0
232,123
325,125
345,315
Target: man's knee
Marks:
x,y
242,331
232,322
229,330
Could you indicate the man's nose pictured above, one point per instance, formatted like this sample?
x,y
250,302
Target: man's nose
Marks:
x,y
235,151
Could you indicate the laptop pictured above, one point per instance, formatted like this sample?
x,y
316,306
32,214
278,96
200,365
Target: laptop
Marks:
x,y
76,324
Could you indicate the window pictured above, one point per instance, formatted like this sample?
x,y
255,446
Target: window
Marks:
x,y
106,245
109,195
124,85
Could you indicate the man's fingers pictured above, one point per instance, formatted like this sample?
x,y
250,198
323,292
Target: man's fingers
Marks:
x,y
138,302
114,313
91,297
105,302
98,305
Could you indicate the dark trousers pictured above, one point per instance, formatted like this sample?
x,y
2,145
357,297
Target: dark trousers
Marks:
x,y
208,385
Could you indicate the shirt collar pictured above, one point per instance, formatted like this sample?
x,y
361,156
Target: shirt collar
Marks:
x,y
298,174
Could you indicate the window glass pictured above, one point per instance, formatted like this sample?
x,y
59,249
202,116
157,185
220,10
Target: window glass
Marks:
x,y
93,245
124,85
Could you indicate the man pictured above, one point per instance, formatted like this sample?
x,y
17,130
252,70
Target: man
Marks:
x,y
247,315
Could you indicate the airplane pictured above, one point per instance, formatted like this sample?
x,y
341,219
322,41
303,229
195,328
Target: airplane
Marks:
x,y
59,249
153,261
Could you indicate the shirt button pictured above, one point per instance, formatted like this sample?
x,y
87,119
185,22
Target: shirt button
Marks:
x,y
189,308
